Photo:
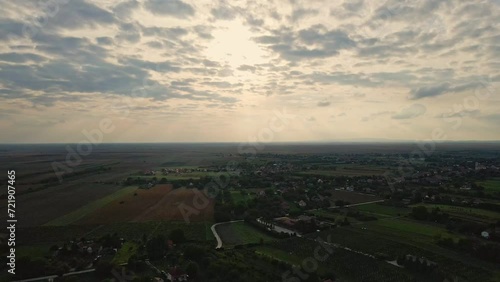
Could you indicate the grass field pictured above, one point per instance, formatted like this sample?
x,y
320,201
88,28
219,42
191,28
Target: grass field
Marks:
x,y
125,252
467,213
241,198
279,255
80,213
490,185
409,229
383,210
33,251
239,233
157,203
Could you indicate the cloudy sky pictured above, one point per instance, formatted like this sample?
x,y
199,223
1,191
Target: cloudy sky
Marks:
x,y
171,70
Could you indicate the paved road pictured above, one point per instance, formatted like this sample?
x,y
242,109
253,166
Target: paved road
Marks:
x,y
52,277
219,241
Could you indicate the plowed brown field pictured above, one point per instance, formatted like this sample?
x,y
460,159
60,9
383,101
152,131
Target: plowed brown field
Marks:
x,y
158,203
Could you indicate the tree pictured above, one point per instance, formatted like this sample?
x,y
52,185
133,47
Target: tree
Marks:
x,y
192,269
420,213
177,236
103,269
156,247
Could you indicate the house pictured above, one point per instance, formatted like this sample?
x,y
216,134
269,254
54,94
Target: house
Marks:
x,y
175,274
421,260
302,204
485,235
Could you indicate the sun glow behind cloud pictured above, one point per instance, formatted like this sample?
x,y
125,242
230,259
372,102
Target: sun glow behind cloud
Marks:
x,y
202,70
233,45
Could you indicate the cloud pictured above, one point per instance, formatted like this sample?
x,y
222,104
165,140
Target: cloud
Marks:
x,y
173,8
299,14
410,112
224,12
78,14
314,42
440,89
21,57
323,104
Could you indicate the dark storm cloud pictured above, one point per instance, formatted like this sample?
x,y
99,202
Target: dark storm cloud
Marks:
x,y
173,8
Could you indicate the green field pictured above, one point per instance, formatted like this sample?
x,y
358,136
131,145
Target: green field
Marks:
x,y
238,197
87,209
125,252
490,185
409,229
467,213
175,176
279,255
33,251
383,210
347,171
239,233
328,214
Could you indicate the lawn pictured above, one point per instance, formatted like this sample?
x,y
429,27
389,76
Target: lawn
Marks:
x,y
383,210
239,233
89,208
125,252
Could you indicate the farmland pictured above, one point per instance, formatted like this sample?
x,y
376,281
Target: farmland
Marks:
x,y
409,229
158,203
383,210
105,204
468,212
239,233
91,207
347,170
352,197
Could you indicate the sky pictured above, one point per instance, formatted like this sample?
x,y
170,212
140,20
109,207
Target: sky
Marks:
x,y
243,70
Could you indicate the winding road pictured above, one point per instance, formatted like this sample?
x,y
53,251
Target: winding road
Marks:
x,y
219,241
